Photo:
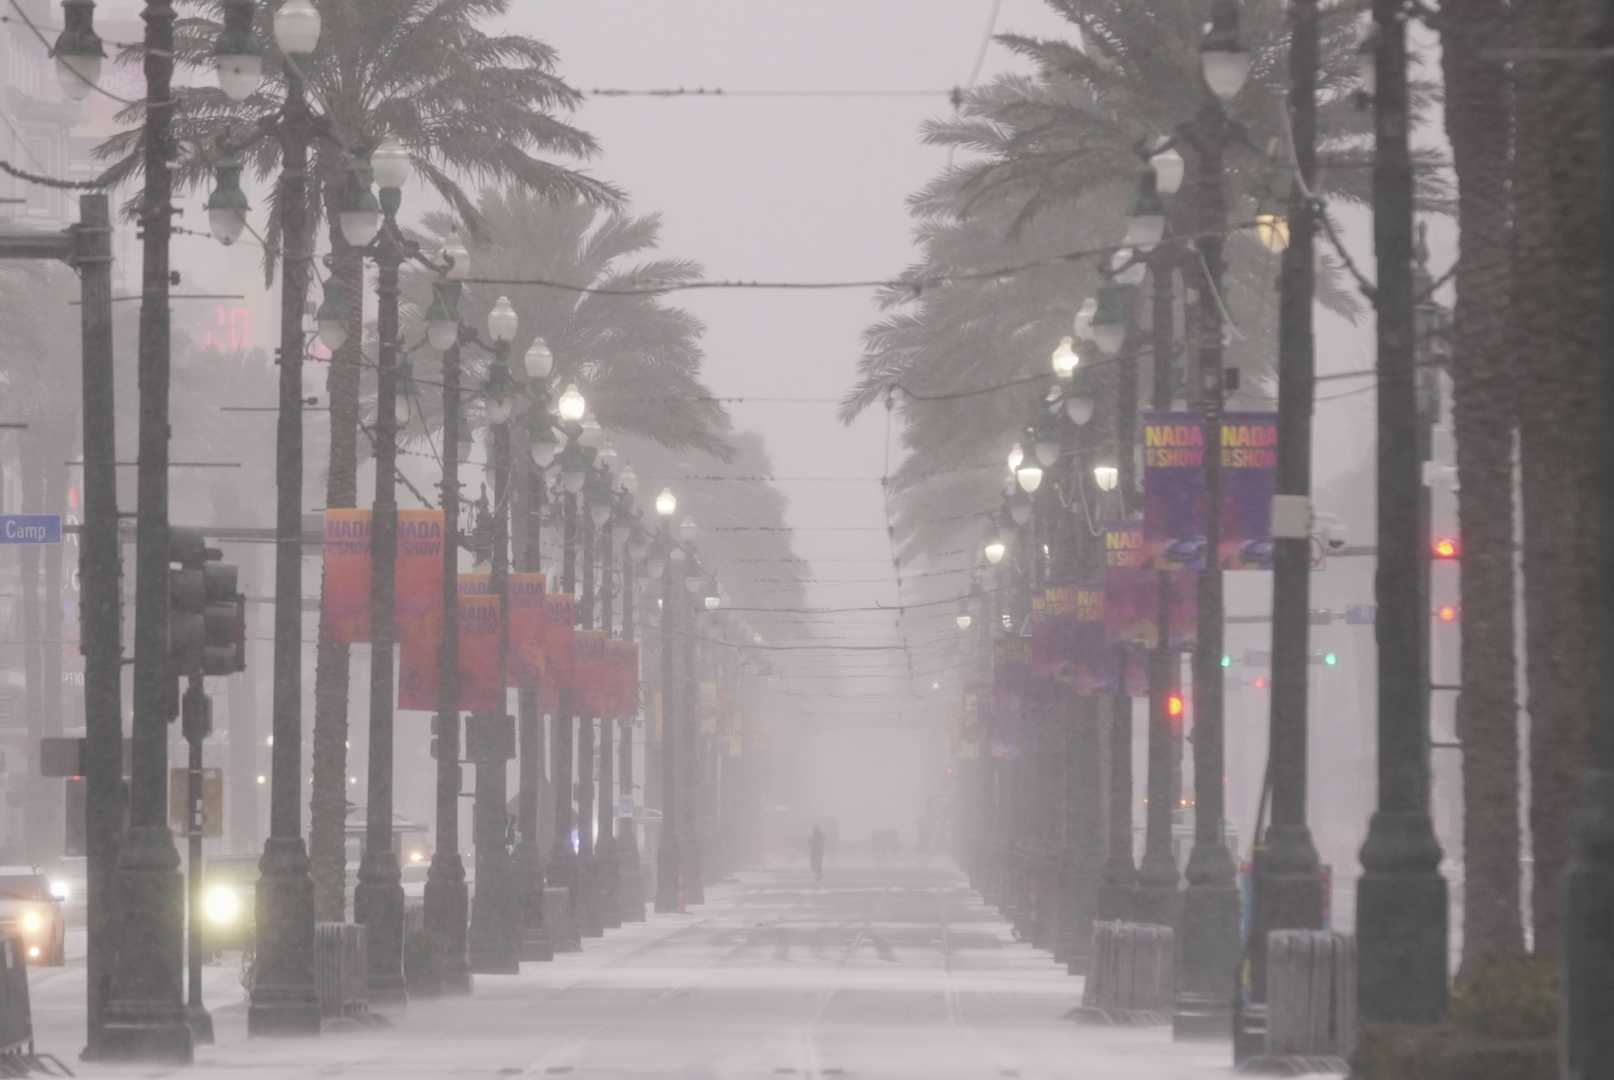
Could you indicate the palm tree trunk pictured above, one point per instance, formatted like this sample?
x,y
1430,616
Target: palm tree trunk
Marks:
x,y
1558,285
1479,124
328,792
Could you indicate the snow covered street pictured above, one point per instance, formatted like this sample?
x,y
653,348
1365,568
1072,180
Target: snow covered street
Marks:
x,y
895,971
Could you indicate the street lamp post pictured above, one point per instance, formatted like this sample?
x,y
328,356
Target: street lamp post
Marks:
x,y
562,870
1290,884
495,919
1588,977
607,876
630,889
447,900
536,943
1401,909
694,883
1209,932
587,890
378,898
669,895
1158,900
145,1018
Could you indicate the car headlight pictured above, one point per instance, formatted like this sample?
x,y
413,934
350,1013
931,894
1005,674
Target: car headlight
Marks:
x,y
61,890
32,922
222,905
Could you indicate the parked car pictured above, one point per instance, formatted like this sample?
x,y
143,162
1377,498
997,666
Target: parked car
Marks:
x,y
28,910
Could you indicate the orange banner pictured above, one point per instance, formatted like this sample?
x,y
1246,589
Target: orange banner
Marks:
x,y
588,672
559,622
345,594
419,608
528,631
479,646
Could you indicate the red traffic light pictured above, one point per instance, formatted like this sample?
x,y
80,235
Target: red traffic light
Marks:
x,y
1260,682
1174,705
1446,613
1446,547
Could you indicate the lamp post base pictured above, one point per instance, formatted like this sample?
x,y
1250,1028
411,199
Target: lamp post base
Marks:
x,y
283,1000
201,1025
378,905
447,914
536,944
495,933
1208,950
630,875
586,898
145,1020
1401,923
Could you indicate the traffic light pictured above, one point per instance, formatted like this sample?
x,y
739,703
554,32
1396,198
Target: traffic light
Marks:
x,y
224,649
206,612
1174,710
1446,548
1447,613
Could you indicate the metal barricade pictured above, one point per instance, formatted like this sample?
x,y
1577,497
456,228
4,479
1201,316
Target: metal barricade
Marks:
x,y
1133,974
340,970
17,1054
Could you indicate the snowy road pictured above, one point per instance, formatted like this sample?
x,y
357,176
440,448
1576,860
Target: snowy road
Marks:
x,y
883,972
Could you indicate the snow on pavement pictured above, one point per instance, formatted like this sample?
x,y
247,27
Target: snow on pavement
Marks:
x,y
883,972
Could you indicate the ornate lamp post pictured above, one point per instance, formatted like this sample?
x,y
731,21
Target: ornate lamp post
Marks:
x,y
607,871
630,889
563,862
495,933
447,901
669,894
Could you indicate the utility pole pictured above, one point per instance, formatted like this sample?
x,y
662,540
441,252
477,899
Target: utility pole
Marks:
x,y
1588,976
1401,907
378,898
447,900
145,1018
1289,882
100,620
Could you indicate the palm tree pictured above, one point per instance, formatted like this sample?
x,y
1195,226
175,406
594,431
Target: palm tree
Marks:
x,y
466,103
1051,166
1479,122
636,358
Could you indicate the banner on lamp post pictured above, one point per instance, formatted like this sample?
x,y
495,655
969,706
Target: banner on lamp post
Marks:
x,y
560,622
1174,509
479,689
1132,591
588,664
419,608
528,631
345,591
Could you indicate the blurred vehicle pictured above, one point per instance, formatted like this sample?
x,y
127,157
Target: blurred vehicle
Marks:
x,y
229,901
69,878
28,910
414,882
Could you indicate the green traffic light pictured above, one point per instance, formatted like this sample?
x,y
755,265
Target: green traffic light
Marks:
x,y
1227,661
1330,659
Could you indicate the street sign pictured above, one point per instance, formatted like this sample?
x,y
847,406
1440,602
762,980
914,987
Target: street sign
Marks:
x,y
1361,615
179,791
30,528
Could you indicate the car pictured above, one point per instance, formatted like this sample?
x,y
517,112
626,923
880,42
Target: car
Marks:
x,y
229,902
28,910
70,883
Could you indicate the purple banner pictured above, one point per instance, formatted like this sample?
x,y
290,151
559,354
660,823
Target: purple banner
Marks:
x,y
1174,490
1132,593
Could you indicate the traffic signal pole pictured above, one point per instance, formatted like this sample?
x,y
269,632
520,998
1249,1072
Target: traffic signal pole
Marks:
x,y
197,718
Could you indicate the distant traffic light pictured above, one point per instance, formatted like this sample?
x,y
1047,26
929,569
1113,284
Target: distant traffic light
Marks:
x,y
1446,548
1446,613
1260,682
1330,659
1174,710
1227,661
